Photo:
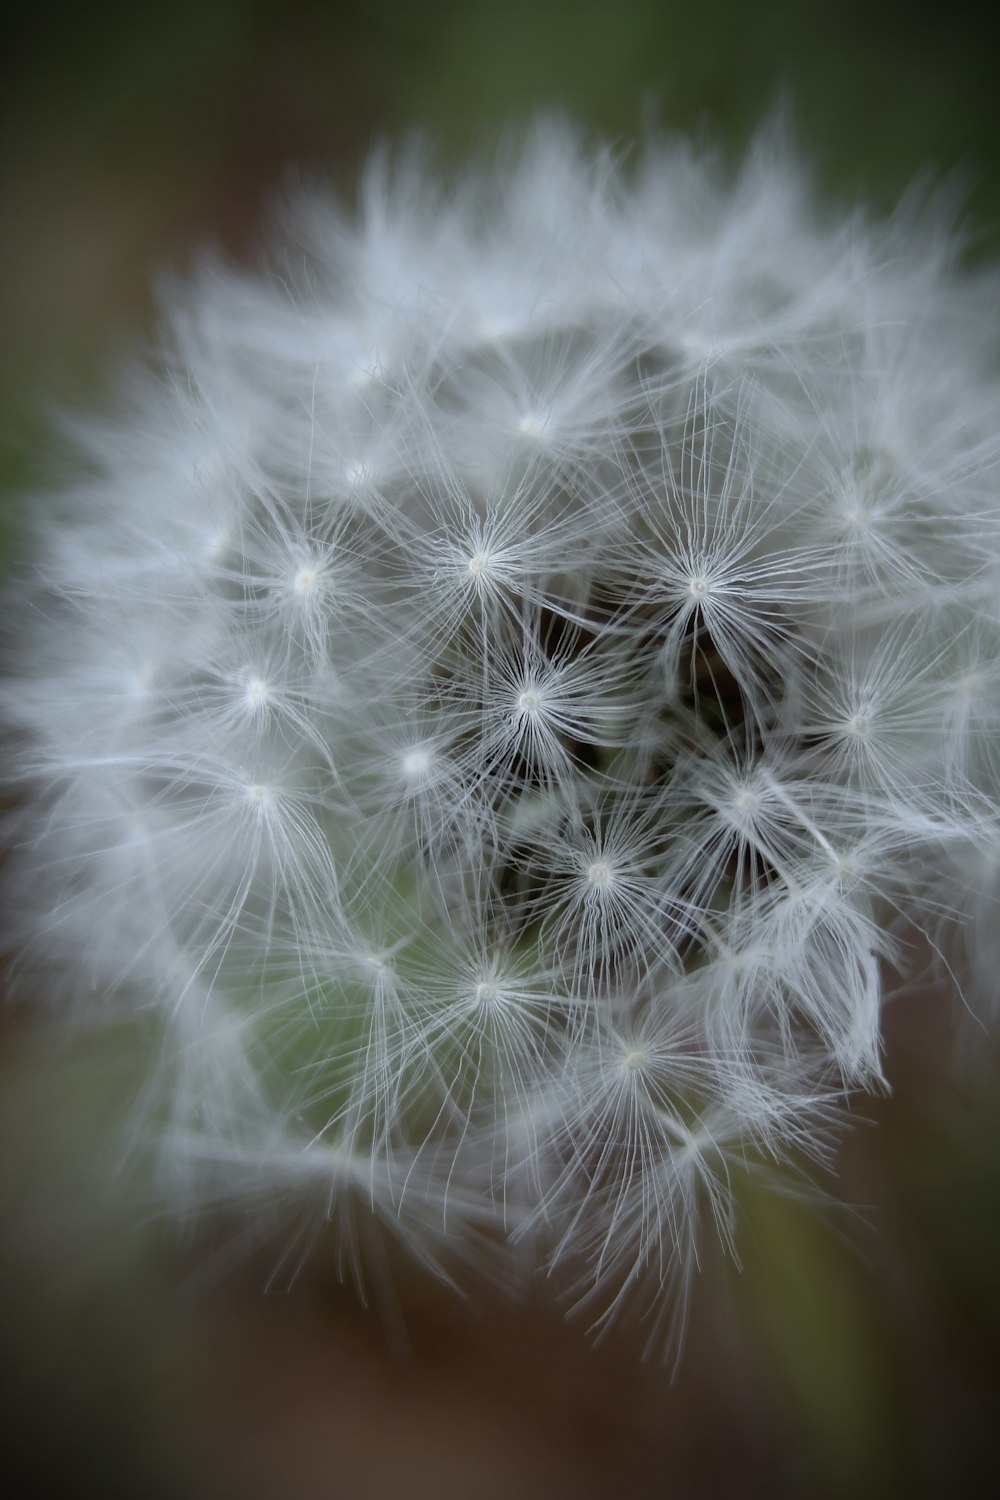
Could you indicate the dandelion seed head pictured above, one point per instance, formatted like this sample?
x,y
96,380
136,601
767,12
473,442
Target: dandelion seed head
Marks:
x,y
496,706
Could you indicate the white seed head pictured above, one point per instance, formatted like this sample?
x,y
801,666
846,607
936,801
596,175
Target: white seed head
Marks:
x,y
515,850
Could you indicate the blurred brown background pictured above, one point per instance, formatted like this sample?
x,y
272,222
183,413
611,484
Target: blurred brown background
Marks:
x,y
854,1354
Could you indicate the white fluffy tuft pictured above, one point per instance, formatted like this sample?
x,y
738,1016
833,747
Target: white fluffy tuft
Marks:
x,y
499,693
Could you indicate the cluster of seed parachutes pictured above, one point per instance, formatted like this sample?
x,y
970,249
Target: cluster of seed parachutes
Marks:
x,y
503,691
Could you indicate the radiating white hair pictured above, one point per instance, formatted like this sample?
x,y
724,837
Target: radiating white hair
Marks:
x,y
504,688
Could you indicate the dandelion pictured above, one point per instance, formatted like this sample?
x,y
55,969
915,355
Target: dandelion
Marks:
x,y
500,696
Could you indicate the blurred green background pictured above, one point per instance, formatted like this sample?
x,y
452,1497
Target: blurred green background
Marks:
x,y
854,1355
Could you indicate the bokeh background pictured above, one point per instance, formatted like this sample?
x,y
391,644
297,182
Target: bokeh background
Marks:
x,y
853,1354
